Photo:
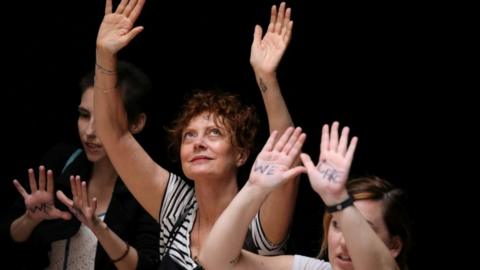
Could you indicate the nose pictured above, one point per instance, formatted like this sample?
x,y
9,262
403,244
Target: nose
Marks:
x,y
343,245
199,143
91,131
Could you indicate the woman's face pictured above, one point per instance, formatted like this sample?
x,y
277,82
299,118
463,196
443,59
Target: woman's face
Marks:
x,y
207,150
86,128
372,211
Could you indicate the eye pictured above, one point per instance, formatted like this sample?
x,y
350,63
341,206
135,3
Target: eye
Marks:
x,y
335,225
188,134
215,131
83,114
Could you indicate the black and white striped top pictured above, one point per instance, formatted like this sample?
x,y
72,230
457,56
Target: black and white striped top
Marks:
x,y
178,196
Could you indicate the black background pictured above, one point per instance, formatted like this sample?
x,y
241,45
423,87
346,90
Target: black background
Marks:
x,y
368,66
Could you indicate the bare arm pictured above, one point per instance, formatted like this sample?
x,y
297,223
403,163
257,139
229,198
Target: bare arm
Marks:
x,y
222,249
328,179
144,178
266,53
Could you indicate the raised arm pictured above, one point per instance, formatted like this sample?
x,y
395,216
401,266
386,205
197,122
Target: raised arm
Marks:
x,y
222,249
266,52
143,177
328,179
39,205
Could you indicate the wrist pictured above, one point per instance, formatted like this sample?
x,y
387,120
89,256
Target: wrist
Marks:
x,y
347,202
265,74
254,188
29,220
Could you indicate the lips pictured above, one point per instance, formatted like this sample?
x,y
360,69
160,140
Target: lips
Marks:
x,y
93,146
200,158
344,261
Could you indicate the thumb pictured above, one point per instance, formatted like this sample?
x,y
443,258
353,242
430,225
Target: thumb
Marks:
x,y
133,33
294,172
257,35
307,161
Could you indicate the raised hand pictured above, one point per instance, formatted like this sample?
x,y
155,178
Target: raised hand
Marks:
x,y
81,206
116,30
330,175
267,52
40,202
272,166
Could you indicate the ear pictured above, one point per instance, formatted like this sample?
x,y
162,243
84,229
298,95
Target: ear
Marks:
x,y
138,124
242,157
395,246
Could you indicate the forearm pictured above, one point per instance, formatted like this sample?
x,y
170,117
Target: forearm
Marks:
x,y
22,228
225,241
366,249
277,211
110,115
115,247
277,112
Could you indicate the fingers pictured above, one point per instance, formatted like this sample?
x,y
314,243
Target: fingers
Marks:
x,y
351,149
293,172
64,199
121,7
73,187
32,181
342,145
288,33
257,35
334,137
269,144
286,21
41,178
20,188
50,181
108,7
294,142
273,19
283,139
279,19
137,10
307,162
324,143
129,8
84,192
133,33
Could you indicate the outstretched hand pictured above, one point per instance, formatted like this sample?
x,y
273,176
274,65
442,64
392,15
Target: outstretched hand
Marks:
x,y
40,202
272,166
116,30
81,206
266,52
330,175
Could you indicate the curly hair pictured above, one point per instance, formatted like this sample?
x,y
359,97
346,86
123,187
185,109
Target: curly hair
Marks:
x,y
240,121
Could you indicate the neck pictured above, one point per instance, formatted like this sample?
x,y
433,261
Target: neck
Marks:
x,y
103,174
213,197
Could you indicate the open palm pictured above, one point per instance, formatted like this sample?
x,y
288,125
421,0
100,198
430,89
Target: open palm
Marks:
x,y
116,30
272,166
81,206
266,52
40,202
330,175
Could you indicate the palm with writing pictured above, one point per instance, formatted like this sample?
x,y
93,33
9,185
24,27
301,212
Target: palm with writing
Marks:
x,y
40,202
272,166
81,206
330,175
266,52
117,30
